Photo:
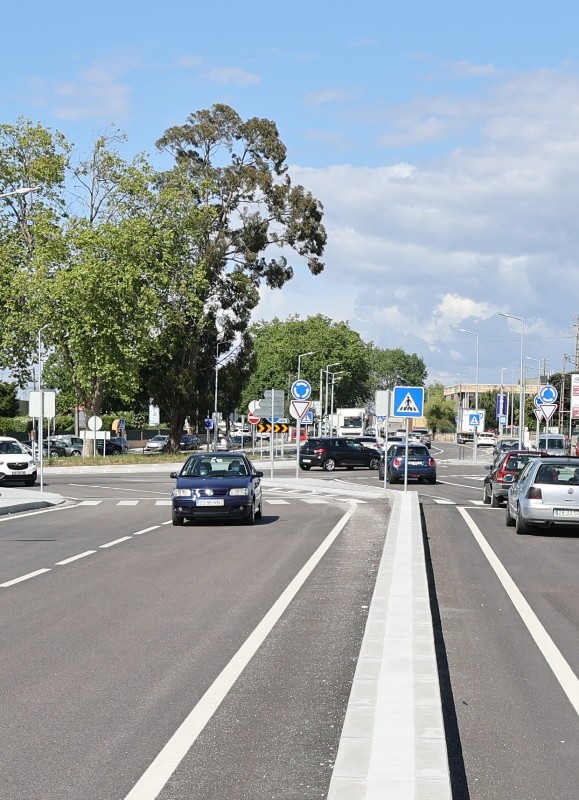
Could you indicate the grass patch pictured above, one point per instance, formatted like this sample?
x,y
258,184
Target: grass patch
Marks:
x,y
126,458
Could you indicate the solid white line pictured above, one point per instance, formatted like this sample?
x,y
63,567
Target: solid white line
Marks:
x,y
75,558
561,669
158,773
116,541
146,530
461,485
24,577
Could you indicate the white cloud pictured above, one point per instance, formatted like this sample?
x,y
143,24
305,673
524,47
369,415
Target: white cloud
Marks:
x,y
325,96
236,76
97,94
418,250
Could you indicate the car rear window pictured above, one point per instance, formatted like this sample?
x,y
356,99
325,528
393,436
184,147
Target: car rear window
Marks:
x,y
551,444
516,463
412,451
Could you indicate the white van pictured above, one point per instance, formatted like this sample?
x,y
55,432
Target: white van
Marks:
x,y
554,444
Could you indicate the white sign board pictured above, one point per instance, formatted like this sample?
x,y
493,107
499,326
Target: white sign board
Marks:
x,y
575,396
49,404
154,415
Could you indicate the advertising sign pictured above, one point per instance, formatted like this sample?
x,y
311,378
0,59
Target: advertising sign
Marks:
x,y
575,396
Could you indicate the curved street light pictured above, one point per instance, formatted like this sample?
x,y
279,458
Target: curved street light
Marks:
x,y
522,378
22,190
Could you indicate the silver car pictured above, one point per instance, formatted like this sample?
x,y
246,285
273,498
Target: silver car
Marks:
x,y
545,493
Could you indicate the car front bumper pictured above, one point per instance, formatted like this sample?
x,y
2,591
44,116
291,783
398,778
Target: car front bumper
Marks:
x,y
234,507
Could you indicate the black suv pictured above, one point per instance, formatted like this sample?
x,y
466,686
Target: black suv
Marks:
x,y
329,452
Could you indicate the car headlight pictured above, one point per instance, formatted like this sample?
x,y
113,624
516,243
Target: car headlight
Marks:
x,y
239,492
181,492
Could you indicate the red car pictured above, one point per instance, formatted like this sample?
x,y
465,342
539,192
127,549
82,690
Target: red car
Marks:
x,y
495,489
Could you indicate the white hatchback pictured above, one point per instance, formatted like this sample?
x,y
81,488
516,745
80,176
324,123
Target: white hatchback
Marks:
x,y
16,463
486,440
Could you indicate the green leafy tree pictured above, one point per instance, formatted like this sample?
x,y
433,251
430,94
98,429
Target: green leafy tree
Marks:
x,y
232,213
9,405
278,344
439,411
395,367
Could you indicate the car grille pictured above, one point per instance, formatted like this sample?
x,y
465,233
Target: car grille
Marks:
x,y
18,465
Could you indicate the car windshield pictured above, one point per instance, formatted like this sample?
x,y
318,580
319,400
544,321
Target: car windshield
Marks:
x,y
159,438
214,467
11,447
551,444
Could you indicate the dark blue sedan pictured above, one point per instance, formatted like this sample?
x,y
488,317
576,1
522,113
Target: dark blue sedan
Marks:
x,y
421,465
217,486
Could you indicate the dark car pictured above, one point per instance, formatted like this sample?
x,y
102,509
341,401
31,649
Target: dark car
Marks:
x,y
217,486
53,447
505,444
421,465
189,441
511,462
112,448
329,452
121,441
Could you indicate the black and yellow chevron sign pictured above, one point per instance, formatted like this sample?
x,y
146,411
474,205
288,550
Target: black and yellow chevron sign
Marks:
x,y
278,427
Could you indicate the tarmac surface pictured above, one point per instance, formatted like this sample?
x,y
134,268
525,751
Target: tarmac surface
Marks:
x,y
393,741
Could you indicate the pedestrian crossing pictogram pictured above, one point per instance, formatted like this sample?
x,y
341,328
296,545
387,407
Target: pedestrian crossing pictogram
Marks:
x,y
408,405
408,401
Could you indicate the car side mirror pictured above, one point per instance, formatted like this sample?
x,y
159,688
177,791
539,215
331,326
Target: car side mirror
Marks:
x,y
258,474
174,475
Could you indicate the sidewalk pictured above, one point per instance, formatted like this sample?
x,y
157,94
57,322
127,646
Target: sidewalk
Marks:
x,y
393,743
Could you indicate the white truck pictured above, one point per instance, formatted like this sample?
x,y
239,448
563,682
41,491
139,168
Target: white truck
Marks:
x,y
350,421
464,429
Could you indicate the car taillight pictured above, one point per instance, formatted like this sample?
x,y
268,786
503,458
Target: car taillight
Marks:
x,y
431,462
534,493
501,474
320,451
397,462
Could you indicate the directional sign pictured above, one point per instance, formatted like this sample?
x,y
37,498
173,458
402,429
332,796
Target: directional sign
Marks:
x,y
408,401
301,390
299,408
548,393
277,427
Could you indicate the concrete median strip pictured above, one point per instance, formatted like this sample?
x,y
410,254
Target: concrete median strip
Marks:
x,y
393,743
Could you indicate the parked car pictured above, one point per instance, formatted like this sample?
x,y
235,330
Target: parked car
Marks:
x,y
329,452
546,494
189,441
54,451
121,441
511,462
16,464
217,486
421,465
73,445
112,448
239,440
157,444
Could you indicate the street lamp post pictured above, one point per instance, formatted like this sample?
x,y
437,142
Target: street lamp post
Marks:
x,y
522,378
509,414
333,374
298,420
22,190
475,438
324,411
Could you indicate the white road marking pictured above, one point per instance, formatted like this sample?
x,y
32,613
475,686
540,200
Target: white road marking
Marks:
x,y
163,502
478,502
276,501
75,558
164,765
442,502
116,541
460,485
24,577
90,503
314,500
146,530
128,502
553,656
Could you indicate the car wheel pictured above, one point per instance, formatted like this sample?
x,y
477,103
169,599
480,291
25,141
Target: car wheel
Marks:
x,y
509,521
329,465
495,502
259,511
432,479
250,518
521,526
54,453
374,463
380,474
76,453
391,478
486,496
177,520
30,481
305,466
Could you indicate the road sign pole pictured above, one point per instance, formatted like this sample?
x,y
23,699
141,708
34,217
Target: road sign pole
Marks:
x,y
406,457
271,435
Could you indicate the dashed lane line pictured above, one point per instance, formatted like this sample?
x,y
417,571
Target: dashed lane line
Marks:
x,y
24,577
75,558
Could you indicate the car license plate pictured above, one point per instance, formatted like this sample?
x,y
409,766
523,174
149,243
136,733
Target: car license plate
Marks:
x,y
210,502
306,460
566,512
18,472
415,463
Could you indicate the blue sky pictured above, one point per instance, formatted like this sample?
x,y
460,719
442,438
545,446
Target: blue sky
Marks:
x,y
442,139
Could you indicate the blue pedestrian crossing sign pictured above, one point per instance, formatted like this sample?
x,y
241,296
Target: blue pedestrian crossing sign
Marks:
x,y
408,401
474,420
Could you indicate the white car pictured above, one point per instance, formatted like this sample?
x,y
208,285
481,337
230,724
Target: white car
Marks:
x,y
158,444
16,463
486,440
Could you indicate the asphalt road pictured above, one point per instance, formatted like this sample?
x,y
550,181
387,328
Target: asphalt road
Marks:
x,y
107,654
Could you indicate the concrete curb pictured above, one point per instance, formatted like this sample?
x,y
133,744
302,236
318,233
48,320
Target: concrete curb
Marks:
x,y
393,743
13,501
